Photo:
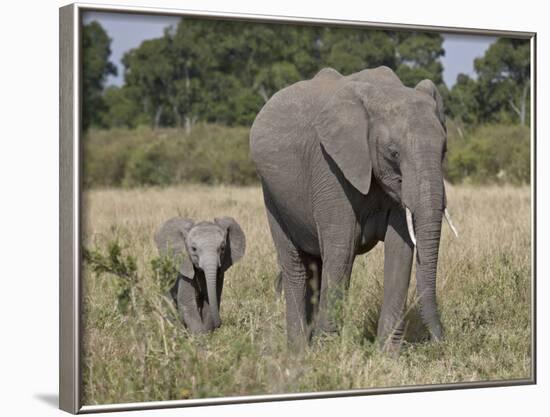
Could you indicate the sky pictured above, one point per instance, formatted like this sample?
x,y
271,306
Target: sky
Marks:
x,y
127,31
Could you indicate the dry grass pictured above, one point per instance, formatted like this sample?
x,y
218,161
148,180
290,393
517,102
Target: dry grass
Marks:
x,y
484,293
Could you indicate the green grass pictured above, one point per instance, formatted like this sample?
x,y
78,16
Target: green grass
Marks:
x,y
142,354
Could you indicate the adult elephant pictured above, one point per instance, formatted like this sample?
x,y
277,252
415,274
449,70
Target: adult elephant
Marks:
x,y
346,162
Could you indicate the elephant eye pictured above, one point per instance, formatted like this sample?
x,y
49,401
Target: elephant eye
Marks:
x,y
193,248
395,154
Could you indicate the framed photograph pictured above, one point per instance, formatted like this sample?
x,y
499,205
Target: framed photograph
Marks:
x,y
258,208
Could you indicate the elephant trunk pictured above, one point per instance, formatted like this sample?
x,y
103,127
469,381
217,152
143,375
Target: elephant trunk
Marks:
x,y
427,225
211,275
428,232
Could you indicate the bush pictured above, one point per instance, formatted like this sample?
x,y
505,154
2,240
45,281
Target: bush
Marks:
x,y
210,154
495,153
106,153
150,164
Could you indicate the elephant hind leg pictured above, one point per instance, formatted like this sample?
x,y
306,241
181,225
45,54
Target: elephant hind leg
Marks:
x,y
295,291
314,269
335,279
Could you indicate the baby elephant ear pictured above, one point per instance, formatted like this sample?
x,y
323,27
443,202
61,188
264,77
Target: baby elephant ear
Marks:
x,y
170,240
428,87
236,241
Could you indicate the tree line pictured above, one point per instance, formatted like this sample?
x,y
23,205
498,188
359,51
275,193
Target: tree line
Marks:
x,y
222,72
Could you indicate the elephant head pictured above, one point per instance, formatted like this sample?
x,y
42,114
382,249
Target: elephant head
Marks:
x,y
207,246
385,132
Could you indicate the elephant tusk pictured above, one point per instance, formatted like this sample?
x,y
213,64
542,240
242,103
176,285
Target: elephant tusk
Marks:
x,y
410,226
451,225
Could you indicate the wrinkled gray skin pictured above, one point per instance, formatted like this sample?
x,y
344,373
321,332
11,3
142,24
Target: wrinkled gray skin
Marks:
x,y
202,252
340,157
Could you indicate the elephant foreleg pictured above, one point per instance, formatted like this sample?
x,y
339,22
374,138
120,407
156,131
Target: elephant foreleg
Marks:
x,y
398,257
188,308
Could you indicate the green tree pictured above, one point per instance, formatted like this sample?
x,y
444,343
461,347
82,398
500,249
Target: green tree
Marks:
x,y
351,50
280,56
418,57
149,71
504,81
462,102
218,71
413,56
123,108
223,72
96,47
192,60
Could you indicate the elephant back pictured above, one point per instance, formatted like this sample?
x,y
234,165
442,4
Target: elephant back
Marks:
x,y
289,112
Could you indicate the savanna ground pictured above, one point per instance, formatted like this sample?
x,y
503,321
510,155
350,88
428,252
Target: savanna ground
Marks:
x,y
136,350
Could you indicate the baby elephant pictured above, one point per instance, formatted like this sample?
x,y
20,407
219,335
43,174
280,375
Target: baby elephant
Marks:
x,y
202,252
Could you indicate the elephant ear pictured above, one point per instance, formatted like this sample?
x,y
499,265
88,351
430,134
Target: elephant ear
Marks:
x,y
235,244
170,240
342,127
428,87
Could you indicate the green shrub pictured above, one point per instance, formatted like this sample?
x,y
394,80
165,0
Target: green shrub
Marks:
x,y
150,164
121,267
210,154
113,263
495,153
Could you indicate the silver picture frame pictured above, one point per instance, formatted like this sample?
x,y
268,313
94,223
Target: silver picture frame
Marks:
x,y
70,209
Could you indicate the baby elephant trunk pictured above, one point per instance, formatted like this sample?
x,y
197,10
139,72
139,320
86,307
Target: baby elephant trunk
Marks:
x,y
211,274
